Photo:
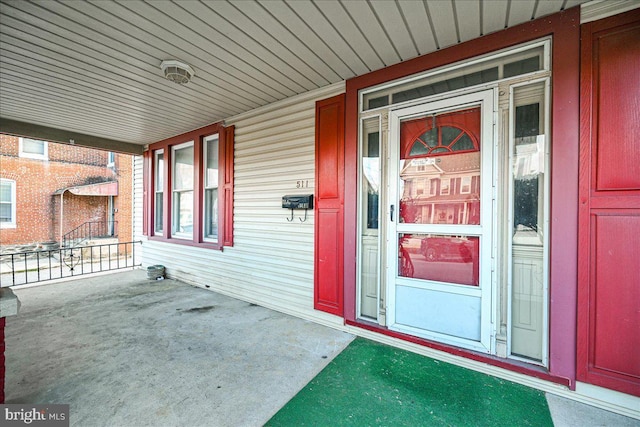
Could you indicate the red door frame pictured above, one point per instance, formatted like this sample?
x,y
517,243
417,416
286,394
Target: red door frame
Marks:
x,y
564,27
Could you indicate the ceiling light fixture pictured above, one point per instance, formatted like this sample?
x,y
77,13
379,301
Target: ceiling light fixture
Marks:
x,y
176,71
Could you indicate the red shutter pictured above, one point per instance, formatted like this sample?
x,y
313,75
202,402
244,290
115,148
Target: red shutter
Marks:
x,y
227,186
146,192
609,216
329,205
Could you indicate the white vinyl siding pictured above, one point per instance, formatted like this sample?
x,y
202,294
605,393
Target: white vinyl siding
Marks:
x,y
271,262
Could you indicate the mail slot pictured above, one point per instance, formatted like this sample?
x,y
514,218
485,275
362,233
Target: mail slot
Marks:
x,y
304,201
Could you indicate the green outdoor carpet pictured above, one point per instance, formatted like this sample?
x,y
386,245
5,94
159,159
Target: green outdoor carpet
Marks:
x,y
371,384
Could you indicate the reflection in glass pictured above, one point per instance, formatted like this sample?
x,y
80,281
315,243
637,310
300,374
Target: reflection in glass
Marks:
x,y
371,170
380,101
183,168
528,270
182,212
182,201
211,148
440,169
369,239
159,216
440,258
528,167
211,213
523,66
475,78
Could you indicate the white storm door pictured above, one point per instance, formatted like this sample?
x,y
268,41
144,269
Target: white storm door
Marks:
x,y
440,220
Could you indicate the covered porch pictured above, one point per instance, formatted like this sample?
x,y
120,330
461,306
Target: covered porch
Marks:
x,y
282,98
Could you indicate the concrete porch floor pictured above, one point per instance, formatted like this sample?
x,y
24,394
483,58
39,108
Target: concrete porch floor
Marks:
x,y
123,350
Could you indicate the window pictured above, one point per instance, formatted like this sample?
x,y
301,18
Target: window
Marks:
x,y
190,188
182,191
158,191
211,175
529,213
433,187
508,64
111,159
465,185
444,186
33,149
7,203
420,186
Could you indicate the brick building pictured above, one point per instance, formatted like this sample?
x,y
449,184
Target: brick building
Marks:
x,y
48,189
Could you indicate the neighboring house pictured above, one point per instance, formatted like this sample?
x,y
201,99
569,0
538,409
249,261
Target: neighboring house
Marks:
x,y
518,150
49,189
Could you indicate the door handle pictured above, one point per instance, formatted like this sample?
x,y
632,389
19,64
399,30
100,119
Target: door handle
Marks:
x,y
392,209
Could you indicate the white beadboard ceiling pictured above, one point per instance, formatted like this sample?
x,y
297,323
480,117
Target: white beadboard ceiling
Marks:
x,y
93,67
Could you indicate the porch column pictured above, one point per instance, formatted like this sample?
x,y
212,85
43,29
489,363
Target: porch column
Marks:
x,y
9,305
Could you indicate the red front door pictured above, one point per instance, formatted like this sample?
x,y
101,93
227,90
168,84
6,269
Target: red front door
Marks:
x,y
609,254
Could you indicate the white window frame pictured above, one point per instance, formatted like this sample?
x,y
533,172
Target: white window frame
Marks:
x,y
13,201
36,156
207,186
174,217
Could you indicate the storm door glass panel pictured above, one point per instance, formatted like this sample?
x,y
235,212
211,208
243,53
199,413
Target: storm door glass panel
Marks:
x,y
528,269
159,191
370,181
439,258
444,151
211,146
182,201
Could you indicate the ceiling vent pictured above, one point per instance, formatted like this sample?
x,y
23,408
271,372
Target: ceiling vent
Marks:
x,y
176,71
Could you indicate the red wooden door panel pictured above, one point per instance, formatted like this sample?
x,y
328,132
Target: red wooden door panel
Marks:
x,y
329,214
615,293
609,217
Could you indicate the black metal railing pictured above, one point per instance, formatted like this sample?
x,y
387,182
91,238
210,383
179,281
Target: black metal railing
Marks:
x,y
37,266
90,230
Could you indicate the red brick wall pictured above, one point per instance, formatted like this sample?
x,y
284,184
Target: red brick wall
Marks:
x,y
9,145
38,208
